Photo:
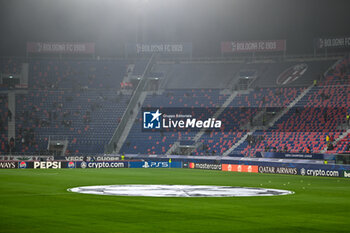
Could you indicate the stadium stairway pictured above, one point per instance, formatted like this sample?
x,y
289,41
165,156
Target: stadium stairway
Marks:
x,y
12,108
131,119
139,95
237,144
217,114
338,140
308,127
3,122
273,121
144,143
198,136
343,144
292,104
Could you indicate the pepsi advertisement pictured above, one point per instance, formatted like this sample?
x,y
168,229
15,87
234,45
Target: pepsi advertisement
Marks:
x,y
25,164
46,164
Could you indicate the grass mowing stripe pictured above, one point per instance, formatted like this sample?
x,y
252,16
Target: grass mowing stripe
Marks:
x,y
31,201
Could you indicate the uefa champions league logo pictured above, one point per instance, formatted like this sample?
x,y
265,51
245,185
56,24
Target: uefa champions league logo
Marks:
x,y
152,120
178,191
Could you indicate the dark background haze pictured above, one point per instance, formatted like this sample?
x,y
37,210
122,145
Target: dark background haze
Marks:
x,y
205,23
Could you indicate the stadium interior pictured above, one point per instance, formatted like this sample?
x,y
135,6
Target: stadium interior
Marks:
x,y
174,116
80,103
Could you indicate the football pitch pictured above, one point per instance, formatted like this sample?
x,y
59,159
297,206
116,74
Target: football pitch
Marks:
x,y
38,201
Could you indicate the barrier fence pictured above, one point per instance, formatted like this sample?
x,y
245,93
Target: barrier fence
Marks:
x,y
234,166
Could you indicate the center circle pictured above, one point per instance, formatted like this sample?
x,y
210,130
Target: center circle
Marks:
x,y
178,191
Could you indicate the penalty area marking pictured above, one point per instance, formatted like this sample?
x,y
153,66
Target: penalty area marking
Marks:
x,y
178,191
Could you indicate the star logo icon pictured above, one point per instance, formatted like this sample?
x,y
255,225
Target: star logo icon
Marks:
x,y
156,115
152,119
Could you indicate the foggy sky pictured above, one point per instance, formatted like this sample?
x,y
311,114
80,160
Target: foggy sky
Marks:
x,y
205,23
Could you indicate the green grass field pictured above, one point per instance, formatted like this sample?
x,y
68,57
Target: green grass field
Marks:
x,y
37,201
